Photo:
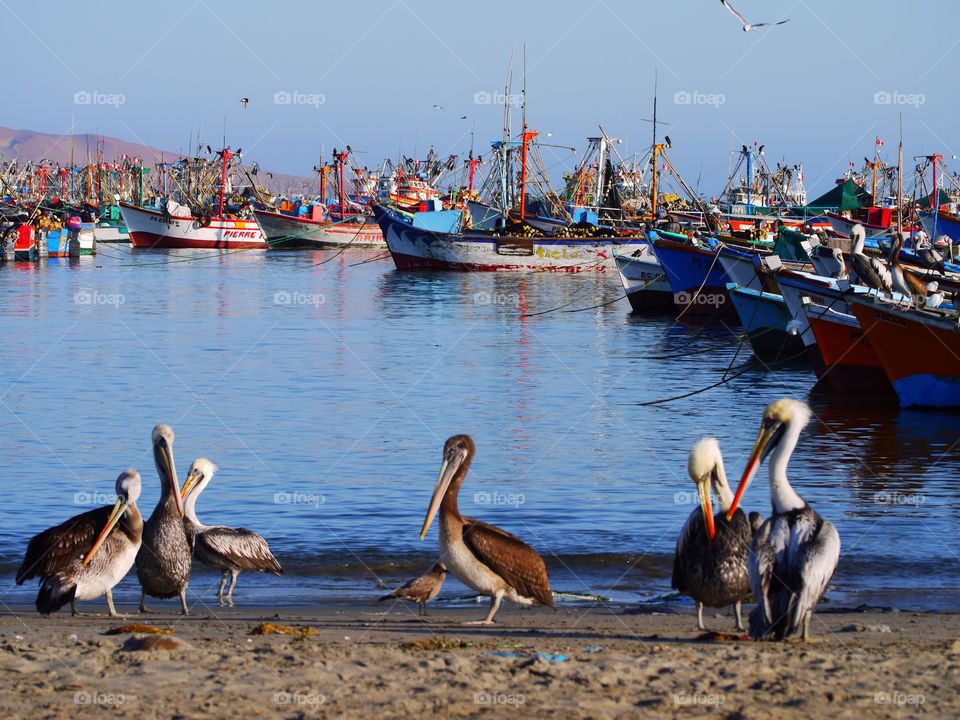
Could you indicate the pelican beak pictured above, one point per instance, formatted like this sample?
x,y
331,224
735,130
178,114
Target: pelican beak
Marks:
x,y
770,434
706,506
118,510
164,459
192,479
447,470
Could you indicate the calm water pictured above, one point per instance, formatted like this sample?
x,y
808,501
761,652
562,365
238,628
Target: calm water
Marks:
x,y
325,391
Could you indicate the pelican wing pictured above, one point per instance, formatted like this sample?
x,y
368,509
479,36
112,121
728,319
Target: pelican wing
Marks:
x,y
510,558
239,547
760,570
687,535
817,559
54,549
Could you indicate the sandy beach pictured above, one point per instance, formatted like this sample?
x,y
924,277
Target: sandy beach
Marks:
x,y
378,660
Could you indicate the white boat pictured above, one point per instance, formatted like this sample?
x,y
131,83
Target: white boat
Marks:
x,y
287,231
644,281
151,228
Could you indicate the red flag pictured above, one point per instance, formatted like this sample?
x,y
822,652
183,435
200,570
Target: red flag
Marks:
x,y
879,142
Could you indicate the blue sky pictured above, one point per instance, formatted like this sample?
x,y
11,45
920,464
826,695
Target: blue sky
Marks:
x,y
817,90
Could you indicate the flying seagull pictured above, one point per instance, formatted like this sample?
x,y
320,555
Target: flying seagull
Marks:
x,y
747,27
244,101
439,107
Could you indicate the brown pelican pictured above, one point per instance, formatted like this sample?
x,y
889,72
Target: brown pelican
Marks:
x,y
710,564
481,556
226,549
163,563
86,556
903,281
870,270
795,552
423,589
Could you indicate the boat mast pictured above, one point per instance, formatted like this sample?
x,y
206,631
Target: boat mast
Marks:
x,y
225,158
900,181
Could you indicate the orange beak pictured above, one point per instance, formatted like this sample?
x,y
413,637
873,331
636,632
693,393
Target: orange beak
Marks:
x,y
707,507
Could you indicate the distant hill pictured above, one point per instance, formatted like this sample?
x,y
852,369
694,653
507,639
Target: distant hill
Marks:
x,y
29,145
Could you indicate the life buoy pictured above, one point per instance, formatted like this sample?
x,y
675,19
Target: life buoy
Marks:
x,y
203,221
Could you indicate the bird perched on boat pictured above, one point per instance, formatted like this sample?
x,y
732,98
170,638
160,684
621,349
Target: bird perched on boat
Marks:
x,y
163,563
87,555
903,281
747,27
227,549
935,296
710,563
423,589
928,256
795,552
870,270
483,557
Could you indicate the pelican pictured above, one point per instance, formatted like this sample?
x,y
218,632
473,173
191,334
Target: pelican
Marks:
x,y
870,270
481,556
86,556
902,280
795,552
223,548
710,564
935,296
163,563
423,589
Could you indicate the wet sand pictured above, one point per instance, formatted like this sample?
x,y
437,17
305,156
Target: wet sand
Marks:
x,y
381,660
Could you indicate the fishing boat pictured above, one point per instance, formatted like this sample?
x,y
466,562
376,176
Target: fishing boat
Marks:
x,y
173,225
290,231
644,281
766,318
918,349
696,277
436,241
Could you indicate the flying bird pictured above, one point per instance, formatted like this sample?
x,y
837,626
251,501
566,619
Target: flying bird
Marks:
x,y
747,27
423,589
439,107
244,101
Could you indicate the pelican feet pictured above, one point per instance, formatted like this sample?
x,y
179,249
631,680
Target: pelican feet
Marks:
x,y
480,622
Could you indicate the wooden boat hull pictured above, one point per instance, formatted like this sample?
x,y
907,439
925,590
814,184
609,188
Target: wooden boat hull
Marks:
x,y
919,351
155,230
414,248
697,278
853,368
765,317
644,282
286,231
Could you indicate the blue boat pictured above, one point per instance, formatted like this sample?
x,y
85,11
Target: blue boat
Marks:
x,y
766,318
695,274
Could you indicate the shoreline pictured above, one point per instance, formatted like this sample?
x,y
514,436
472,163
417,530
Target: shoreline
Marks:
x,y
380,660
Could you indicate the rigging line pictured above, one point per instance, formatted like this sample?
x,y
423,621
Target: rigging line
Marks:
x,y
746,367
594,307
706,277
337,254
